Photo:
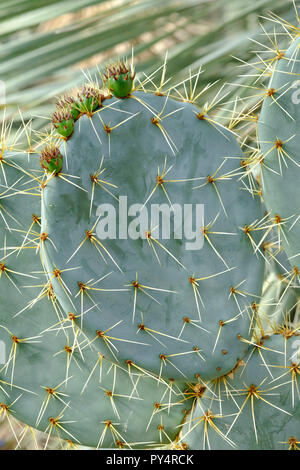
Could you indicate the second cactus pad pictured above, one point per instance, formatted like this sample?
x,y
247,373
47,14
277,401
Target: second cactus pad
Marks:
x,y
278,130
153,237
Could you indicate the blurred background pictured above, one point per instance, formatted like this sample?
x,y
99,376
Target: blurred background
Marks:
x,y
48,46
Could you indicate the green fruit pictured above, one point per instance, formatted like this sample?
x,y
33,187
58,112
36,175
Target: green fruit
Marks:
x,y
51,159
119,79
68,104
89,99
63,123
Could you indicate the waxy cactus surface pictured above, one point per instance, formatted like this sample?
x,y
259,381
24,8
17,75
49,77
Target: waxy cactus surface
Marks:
x,y
131,280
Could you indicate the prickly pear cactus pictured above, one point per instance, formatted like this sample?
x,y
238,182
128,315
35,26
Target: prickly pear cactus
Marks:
x,y
279,141
167,304
120,310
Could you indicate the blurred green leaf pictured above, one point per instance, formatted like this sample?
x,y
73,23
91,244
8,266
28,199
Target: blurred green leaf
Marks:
x,y
40,60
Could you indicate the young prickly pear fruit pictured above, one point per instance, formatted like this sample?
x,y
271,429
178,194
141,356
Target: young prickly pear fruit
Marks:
x,y
51,159
89,98
279,138
119,79
63,123
70,104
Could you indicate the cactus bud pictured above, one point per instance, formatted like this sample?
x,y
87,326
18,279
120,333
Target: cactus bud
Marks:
x,y
119,79
68,103
89,98
51,159
63,122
